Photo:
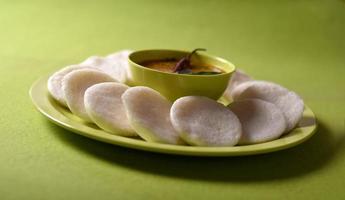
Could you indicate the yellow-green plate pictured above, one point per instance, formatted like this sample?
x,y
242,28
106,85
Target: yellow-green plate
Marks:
x,y
64,118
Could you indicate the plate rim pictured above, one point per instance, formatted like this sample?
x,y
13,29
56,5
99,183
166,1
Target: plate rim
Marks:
x,y
40,102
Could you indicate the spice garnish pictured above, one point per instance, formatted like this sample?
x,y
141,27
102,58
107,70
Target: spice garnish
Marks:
x,y
184,63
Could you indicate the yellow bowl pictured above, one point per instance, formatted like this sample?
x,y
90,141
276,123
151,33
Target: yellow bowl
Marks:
x,y
173,85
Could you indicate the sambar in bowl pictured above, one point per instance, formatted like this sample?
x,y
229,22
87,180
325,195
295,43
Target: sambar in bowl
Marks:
x,y
176,73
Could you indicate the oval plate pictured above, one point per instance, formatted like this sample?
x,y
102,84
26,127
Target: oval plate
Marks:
x,y
64,118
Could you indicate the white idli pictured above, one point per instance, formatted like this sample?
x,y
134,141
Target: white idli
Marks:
x,y
74,85
55,82
287,101
115,65
261,121
237,78
148,112
104,106
120,59
204,122
93,61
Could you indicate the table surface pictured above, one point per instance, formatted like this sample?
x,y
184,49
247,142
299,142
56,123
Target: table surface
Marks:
x,y
299,44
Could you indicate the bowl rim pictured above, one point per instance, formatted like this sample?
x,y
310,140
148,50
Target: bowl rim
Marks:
x,y
129,59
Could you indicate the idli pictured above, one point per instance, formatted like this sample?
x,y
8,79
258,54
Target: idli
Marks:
x,y
104,106
202,121
287,101
120,59
93,61
261,121
55,82
237,78
148,113
115,65
74,85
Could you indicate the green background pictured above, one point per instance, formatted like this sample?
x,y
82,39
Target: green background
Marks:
x,y
299,44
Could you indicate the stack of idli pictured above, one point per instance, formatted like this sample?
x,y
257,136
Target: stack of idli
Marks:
x,y
94,91
266,110
114,65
